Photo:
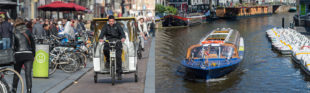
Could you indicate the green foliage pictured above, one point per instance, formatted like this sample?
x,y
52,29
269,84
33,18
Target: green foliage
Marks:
x,y
168,9
171,10
160,8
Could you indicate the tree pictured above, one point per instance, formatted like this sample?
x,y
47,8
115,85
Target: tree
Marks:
x,y
160,8
171,10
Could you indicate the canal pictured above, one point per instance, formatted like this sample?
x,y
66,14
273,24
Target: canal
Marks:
x,y
262,70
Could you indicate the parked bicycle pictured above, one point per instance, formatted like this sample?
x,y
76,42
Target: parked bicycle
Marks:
x,y
64,58
4,87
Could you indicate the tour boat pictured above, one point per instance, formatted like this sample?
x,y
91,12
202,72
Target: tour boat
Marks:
x,y
216,55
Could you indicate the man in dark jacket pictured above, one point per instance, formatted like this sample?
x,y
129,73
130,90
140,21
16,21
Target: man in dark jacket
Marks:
x,y
38,31
113,32
6,33
46,28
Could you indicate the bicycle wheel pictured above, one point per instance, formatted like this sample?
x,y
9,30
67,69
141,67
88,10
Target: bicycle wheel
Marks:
x,y
52,62
72,65
83,60
113,74
4,87
52,68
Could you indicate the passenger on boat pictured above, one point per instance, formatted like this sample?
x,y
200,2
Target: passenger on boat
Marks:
x,y
196,52
213,53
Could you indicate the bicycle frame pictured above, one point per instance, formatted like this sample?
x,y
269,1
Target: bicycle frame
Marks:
x,y
112,57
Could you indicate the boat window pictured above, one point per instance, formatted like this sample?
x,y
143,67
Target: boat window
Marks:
x,y
196,52
206,51
226,51
217,37
213,52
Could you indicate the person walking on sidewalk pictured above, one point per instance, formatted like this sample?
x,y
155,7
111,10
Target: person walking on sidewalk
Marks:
x,y
152,28
24,47
38,31
113,32
143,31
6,33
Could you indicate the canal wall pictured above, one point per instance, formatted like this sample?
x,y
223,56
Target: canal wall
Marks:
x,y
281,8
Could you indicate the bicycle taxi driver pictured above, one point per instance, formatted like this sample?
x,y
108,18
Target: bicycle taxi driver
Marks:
x,y
113,32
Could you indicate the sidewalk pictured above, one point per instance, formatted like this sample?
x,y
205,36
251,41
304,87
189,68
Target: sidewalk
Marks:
x,y
55,83
82,81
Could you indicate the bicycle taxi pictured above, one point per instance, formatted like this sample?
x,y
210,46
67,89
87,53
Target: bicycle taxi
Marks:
x,y
129,53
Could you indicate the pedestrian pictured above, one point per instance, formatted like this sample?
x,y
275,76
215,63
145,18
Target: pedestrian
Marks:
x,y
6,33
68,31
53,29
38,32
81,22
142,27
113,32
29,26
24,53
88,26
11,21
152,27
47,32
46,21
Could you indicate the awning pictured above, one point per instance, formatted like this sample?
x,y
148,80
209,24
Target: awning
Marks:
x,y
62,6
5,2
77,7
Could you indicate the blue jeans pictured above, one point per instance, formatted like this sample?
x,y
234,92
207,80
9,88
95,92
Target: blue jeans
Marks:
x,y
6,43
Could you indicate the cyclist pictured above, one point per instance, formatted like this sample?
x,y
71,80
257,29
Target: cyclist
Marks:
x,y
113,32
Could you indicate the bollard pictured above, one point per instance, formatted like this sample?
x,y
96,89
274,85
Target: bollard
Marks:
x,y
283,22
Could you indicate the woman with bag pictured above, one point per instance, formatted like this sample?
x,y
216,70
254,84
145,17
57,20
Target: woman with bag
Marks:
x,y
24,47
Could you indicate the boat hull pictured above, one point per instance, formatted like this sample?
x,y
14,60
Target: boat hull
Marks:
x,y
211,73
305,69
295,59
173,20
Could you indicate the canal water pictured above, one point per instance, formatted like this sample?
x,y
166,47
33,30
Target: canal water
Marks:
x,y
262,70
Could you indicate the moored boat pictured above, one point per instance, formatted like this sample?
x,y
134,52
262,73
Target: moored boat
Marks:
x,y
174,20
293,41
292,9
216,55
302,58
